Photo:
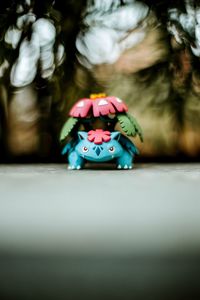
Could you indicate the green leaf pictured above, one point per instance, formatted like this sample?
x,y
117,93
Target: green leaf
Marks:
x,y
138,128
130,125
126,124
67,127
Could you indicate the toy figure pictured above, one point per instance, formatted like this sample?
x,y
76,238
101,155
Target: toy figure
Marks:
x,y
100,144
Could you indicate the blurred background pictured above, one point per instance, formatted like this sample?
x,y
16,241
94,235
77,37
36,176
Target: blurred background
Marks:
x,y
99,234
54,52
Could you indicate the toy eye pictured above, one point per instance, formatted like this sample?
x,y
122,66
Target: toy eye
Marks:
x,y
111,149
85,149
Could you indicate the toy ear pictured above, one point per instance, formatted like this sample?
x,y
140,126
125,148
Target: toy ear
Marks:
x,y
82,135
116,135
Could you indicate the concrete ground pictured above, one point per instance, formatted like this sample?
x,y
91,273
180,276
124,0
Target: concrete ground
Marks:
x,y
98,229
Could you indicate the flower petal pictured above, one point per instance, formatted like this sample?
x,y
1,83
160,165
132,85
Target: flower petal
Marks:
x,y
102,107
106,138
118,104
106,132
81,108
91,135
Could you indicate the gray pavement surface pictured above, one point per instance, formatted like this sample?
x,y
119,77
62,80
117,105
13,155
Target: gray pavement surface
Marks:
x,y
152,208
100,234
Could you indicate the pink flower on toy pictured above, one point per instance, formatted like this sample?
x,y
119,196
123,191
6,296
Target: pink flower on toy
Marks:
x,y
99,136
98,105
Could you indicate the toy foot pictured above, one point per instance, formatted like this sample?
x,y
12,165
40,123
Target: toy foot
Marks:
x,y
125,167
71,167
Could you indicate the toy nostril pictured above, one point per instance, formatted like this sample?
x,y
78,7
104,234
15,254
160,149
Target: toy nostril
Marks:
x,y
97,151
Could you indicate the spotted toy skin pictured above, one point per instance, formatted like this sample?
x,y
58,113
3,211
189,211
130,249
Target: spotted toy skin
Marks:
x,y
118,148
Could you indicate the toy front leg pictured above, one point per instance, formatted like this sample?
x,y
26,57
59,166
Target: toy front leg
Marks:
x,y
125,161
75,161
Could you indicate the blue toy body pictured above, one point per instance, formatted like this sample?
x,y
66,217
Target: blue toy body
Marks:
x,y
100,146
